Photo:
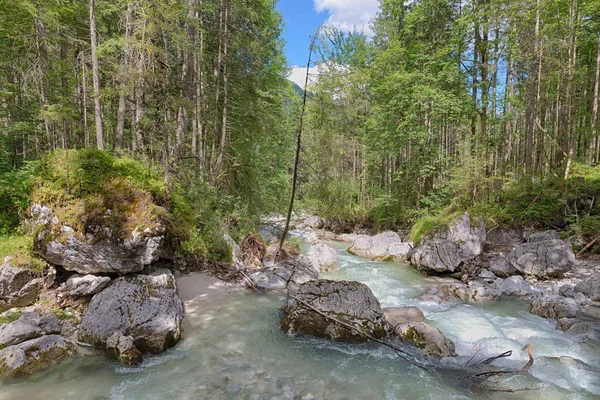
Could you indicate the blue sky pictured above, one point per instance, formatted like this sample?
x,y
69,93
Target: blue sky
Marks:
x,y
303,17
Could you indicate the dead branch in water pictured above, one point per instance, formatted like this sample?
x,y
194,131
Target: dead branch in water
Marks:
x,y
525,369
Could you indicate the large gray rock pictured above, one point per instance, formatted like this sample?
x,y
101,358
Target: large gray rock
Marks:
x,y
590,287
543,258
99,249
516,286
145,307
446,251
18,331
502,268
86,285
34,355
385,246
553,306
426,337
323,257
19,287
350,302
314,222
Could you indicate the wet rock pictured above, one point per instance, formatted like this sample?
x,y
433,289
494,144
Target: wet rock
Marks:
x,y
323,257
309,235
145,307
543,258
314,222
479,293
591,311
84,285
350,302
34,355
18,331
19,287
122,348
385,246
590,287
573,326
446,251
288,270
426,337
553,306
516,286
270,232
401,315
99,249
501,268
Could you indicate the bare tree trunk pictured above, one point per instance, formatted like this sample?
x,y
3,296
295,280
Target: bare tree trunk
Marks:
x,y
530,112
568,139
198,139
96,79
225,98
122,98
216,73
594,151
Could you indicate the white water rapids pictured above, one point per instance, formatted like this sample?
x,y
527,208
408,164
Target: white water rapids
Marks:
x,y
232,348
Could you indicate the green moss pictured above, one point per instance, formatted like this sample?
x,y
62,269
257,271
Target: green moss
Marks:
x,y
7,318
429,224
20,248
64,314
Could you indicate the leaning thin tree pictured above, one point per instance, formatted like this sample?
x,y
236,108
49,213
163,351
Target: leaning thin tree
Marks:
x,y
298,142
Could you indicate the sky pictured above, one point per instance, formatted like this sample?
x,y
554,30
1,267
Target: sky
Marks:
x,y
303,17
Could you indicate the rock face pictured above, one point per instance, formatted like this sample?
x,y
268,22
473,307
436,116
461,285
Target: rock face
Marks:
x,y
590,287
123,349
400,315
88,285
386,246
446,251
34,355
542,258
350,302
323,257
501,268
30,325
18,287
98,250
426,337
145,307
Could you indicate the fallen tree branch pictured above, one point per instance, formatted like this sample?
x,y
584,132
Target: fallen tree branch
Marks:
x,y
590,244
525,369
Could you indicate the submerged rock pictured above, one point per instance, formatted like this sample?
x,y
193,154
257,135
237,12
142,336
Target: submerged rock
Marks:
x,y
145,307
426,337
385,246
101,248
350,302
446,251
34,355
323,257
543,258
400,315
19,287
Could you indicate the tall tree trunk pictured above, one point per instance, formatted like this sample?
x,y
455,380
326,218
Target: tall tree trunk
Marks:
x,y
594,151
217,73
198,147
124,68
219,161
96,79
530,112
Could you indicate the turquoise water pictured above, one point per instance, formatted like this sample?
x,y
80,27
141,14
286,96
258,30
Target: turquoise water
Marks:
x,y
233,349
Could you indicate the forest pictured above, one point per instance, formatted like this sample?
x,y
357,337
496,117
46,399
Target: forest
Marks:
x,y
424,206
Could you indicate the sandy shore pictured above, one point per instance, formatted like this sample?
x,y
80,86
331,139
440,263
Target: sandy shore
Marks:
x,y
198,285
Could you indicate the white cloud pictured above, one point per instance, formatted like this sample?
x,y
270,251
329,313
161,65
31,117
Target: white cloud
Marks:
x,y
298,76
349,14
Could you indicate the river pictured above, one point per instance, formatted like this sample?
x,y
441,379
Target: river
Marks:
x,y
232,348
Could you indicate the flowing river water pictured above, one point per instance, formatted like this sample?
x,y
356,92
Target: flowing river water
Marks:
x,y
232,348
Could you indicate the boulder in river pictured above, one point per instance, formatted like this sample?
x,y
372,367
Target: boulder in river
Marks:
x,y
19,286
352,303
590,287
543,258
123,349
553,306
447,250
323,257
34,355
386,246
426,337
104,246
145,307
314,222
